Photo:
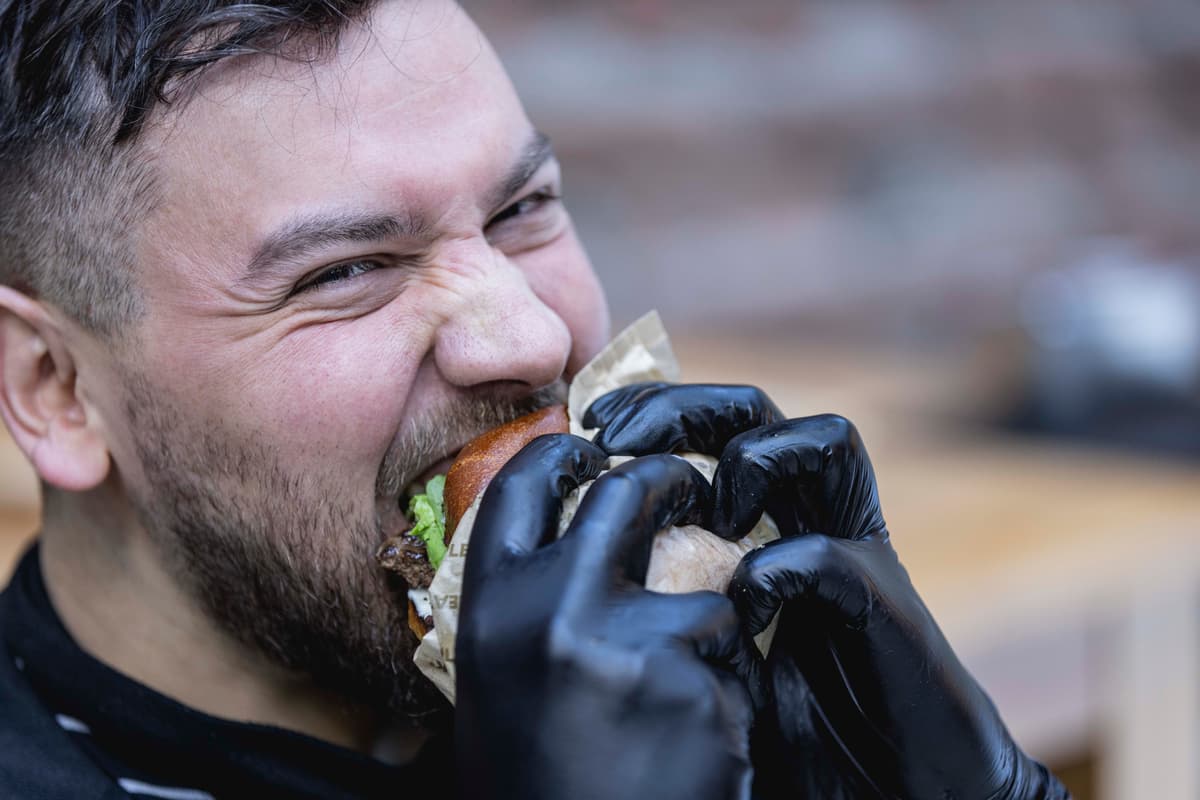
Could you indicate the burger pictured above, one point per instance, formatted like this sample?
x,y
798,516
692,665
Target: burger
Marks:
x,y
683,559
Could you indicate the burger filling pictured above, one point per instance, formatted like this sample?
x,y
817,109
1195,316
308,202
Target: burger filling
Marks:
x,y
417,553
424,543
428,511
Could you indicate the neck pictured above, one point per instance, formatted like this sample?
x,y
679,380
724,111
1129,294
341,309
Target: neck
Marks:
x,y
120,604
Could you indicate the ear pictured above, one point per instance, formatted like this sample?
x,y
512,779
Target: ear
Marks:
x,y
40,399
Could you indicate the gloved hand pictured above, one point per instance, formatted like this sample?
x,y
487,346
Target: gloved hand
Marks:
x,y
860,695
573,680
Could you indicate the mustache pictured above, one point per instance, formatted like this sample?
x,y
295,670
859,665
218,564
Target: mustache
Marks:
x,y
433,435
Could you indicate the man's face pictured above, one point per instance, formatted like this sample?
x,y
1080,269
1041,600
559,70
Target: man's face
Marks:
x,y
356,265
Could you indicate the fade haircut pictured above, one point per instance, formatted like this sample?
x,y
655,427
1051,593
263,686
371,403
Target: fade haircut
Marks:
x,y
78,80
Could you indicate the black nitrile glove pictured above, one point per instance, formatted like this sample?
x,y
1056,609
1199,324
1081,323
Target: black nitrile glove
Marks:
x,y
573,680
860,695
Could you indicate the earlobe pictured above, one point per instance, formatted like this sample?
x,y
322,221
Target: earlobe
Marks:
x,y
40,400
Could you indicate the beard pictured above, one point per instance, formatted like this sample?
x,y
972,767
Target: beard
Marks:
x,y
283,562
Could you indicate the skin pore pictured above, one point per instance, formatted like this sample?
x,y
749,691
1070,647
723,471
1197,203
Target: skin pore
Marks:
x,y
355,265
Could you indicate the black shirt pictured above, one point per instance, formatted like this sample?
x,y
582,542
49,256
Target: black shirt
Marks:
x,y
72,727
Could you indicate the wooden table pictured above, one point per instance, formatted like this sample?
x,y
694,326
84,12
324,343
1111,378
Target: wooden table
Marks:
x,y
1068,579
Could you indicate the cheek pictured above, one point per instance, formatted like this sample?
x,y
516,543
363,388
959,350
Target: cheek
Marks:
x,y
562,277
328,399
344,388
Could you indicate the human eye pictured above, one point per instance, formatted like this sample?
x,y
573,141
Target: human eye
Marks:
x,y
527,206
534,221
338,274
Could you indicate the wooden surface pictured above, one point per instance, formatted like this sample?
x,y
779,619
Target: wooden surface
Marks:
x,y
1050,567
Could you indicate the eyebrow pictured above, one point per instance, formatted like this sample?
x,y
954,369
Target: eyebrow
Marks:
x,y
537,152
301,237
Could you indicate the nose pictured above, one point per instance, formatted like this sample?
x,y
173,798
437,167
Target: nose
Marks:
x,y
502,331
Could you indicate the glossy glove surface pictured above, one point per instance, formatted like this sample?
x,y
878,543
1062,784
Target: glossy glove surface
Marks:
x,y
860,695
573,680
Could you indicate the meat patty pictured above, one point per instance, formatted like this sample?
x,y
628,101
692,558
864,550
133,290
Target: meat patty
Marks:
x,y
405,554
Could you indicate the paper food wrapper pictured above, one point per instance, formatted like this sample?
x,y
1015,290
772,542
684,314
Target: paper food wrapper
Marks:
x,y
642,352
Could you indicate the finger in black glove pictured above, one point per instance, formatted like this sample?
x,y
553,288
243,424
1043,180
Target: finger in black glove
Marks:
x,y
647,418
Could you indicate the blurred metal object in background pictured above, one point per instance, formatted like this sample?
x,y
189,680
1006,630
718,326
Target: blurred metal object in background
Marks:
x,y
1114,350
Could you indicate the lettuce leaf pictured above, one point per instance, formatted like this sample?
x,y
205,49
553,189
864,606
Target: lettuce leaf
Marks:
x,y
429,514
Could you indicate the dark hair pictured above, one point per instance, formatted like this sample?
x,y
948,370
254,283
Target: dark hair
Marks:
x,y
78,79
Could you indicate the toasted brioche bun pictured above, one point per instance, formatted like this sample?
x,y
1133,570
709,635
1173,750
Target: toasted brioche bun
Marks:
x,y
483,457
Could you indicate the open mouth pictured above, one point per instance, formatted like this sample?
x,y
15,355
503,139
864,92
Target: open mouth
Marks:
x,y
393,515
437,468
